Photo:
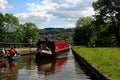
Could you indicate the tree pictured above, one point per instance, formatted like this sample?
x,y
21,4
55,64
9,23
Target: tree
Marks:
x,y
2,29
30,30
14,32
10,24
83,31
108,11
19,34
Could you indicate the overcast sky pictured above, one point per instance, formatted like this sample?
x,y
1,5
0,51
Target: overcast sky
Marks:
x,y
48,13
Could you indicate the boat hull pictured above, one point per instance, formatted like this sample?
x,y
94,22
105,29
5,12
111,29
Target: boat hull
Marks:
x,y
40,55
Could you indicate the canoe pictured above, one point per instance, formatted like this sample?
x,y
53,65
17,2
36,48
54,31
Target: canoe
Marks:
x,y
14,58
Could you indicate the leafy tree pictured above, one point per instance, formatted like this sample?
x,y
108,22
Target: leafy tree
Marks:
x,y
19,34
108,11
30,30
83,31
10,24
2,29
12,31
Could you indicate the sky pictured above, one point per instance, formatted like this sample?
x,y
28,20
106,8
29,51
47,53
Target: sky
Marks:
x,y
48,13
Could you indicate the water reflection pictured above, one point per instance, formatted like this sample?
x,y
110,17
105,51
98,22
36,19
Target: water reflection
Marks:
x,y
50,66
12,66
27,62
27,68
3,66
3,69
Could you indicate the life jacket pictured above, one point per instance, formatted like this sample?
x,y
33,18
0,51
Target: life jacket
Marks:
x,y
12,51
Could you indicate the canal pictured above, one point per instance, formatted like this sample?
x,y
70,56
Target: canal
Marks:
x,y
27,68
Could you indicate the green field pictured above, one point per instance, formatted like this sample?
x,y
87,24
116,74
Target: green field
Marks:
x,y
107,60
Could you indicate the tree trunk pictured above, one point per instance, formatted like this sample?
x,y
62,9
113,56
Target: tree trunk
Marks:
x,y
118,35
118,39
117,31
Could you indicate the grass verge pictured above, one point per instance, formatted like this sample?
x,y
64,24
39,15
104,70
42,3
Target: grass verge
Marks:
x,y
107,60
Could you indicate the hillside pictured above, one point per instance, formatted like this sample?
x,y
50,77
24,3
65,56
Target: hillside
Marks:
x,y
58,33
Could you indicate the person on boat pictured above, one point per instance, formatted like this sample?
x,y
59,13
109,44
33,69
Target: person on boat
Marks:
x,y
2,51
16,50
39,48
13,52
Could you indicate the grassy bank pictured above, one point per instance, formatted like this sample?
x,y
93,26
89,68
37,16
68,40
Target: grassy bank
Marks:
x,y
107,60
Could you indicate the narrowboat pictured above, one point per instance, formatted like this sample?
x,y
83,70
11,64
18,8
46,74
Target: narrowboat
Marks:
x,y
51,48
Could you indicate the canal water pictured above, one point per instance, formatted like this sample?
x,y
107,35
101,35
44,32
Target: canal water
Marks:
x,y
27,68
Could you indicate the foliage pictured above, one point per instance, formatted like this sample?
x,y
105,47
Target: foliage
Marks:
x,y
10,23
103,29
2,29
83,31
108,11
13,31
30,30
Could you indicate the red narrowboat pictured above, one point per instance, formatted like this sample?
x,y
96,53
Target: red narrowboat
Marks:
x,y
51,48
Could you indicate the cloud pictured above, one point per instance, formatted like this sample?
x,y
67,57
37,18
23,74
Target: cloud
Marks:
x,y
46,10
36,17
72,9
69,9
37,13
62,26
4,5
68,26
41,7
62,9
